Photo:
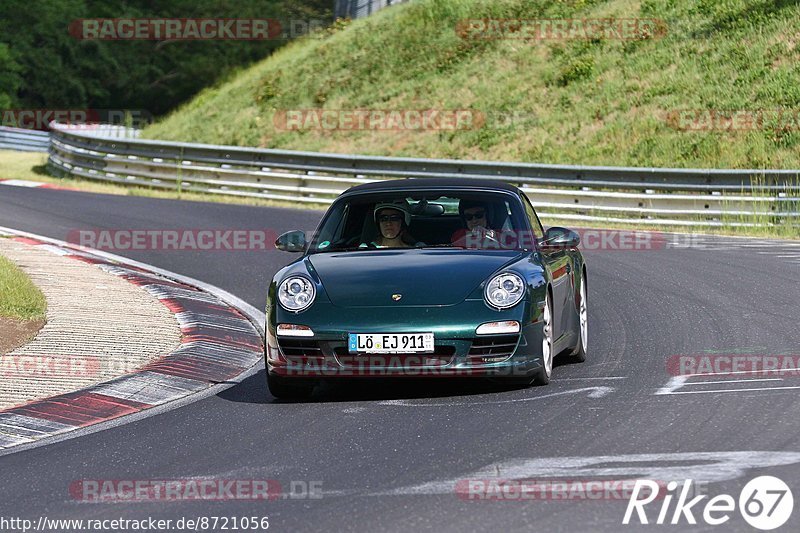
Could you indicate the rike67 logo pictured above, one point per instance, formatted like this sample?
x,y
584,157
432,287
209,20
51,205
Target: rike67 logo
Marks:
x,y
765,503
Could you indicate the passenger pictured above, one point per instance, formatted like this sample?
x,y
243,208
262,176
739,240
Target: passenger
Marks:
x,y
392,219
476,232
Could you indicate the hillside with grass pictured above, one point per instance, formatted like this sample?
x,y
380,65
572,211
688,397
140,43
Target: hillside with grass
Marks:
x,y
580,101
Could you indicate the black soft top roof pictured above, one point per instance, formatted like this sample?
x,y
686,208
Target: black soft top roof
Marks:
x,y
433,183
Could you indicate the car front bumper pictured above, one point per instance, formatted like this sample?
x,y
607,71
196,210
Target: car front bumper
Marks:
x,y
459,351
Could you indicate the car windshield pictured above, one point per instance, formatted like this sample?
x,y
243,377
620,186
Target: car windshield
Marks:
x,y
424,219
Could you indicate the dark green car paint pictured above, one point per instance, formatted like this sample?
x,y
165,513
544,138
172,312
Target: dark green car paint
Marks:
x,y
442,292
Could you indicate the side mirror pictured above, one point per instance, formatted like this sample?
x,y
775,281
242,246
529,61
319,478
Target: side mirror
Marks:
x,y
291,241
561,238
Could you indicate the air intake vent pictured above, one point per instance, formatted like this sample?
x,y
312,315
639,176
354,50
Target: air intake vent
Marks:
x,y
494,346
300,348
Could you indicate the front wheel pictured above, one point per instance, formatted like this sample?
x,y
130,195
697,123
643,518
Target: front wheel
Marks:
x,y
542,376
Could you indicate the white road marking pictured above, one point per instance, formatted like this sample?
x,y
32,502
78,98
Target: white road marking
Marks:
x,y
150,387
707,466
763,244
756,372
594,392
733,390
675,383
593,378
21,183
731,381
55,250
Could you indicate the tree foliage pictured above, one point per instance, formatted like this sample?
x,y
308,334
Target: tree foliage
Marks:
x,y
43,66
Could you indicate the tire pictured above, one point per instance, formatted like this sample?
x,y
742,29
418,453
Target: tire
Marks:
x,y
288,389
542,376
579,355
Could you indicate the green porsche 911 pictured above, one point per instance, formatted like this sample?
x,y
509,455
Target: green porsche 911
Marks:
x,y
426,278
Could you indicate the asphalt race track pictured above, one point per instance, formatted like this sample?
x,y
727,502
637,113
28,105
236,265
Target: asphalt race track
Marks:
x,y
390,456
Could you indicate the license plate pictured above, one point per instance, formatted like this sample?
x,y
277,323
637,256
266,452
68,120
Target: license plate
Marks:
x,y
390,343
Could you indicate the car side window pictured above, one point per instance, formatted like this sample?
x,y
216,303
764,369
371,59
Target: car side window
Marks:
x,y
536,226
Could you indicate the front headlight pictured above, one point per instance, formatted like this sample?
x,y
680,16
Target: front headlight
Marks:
x,y
504,290
296,293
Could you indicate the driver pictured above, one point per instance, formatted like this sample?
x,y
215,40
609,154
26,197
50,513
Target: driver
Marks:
x,y
392,219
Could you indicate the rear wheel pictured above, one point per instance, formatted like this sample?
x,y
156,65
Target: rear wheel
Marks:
x,y
287,388
542,376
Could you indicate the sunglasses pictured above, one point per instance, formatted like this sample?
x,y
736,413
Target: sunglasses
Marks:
x,y
479,215
390,218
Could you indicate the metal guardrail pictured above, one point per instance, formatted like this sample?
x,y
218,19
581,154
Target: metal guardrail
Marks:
x,y
23,139
647,195
360,8
106,131
39,141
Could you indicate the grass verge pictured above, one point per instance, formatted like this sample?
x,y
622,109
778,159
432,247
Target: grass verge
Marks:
x,y
19,297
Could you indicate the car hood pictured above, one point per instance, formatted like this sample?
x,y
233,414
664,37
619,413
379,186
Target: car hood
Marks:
x,y
420,276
